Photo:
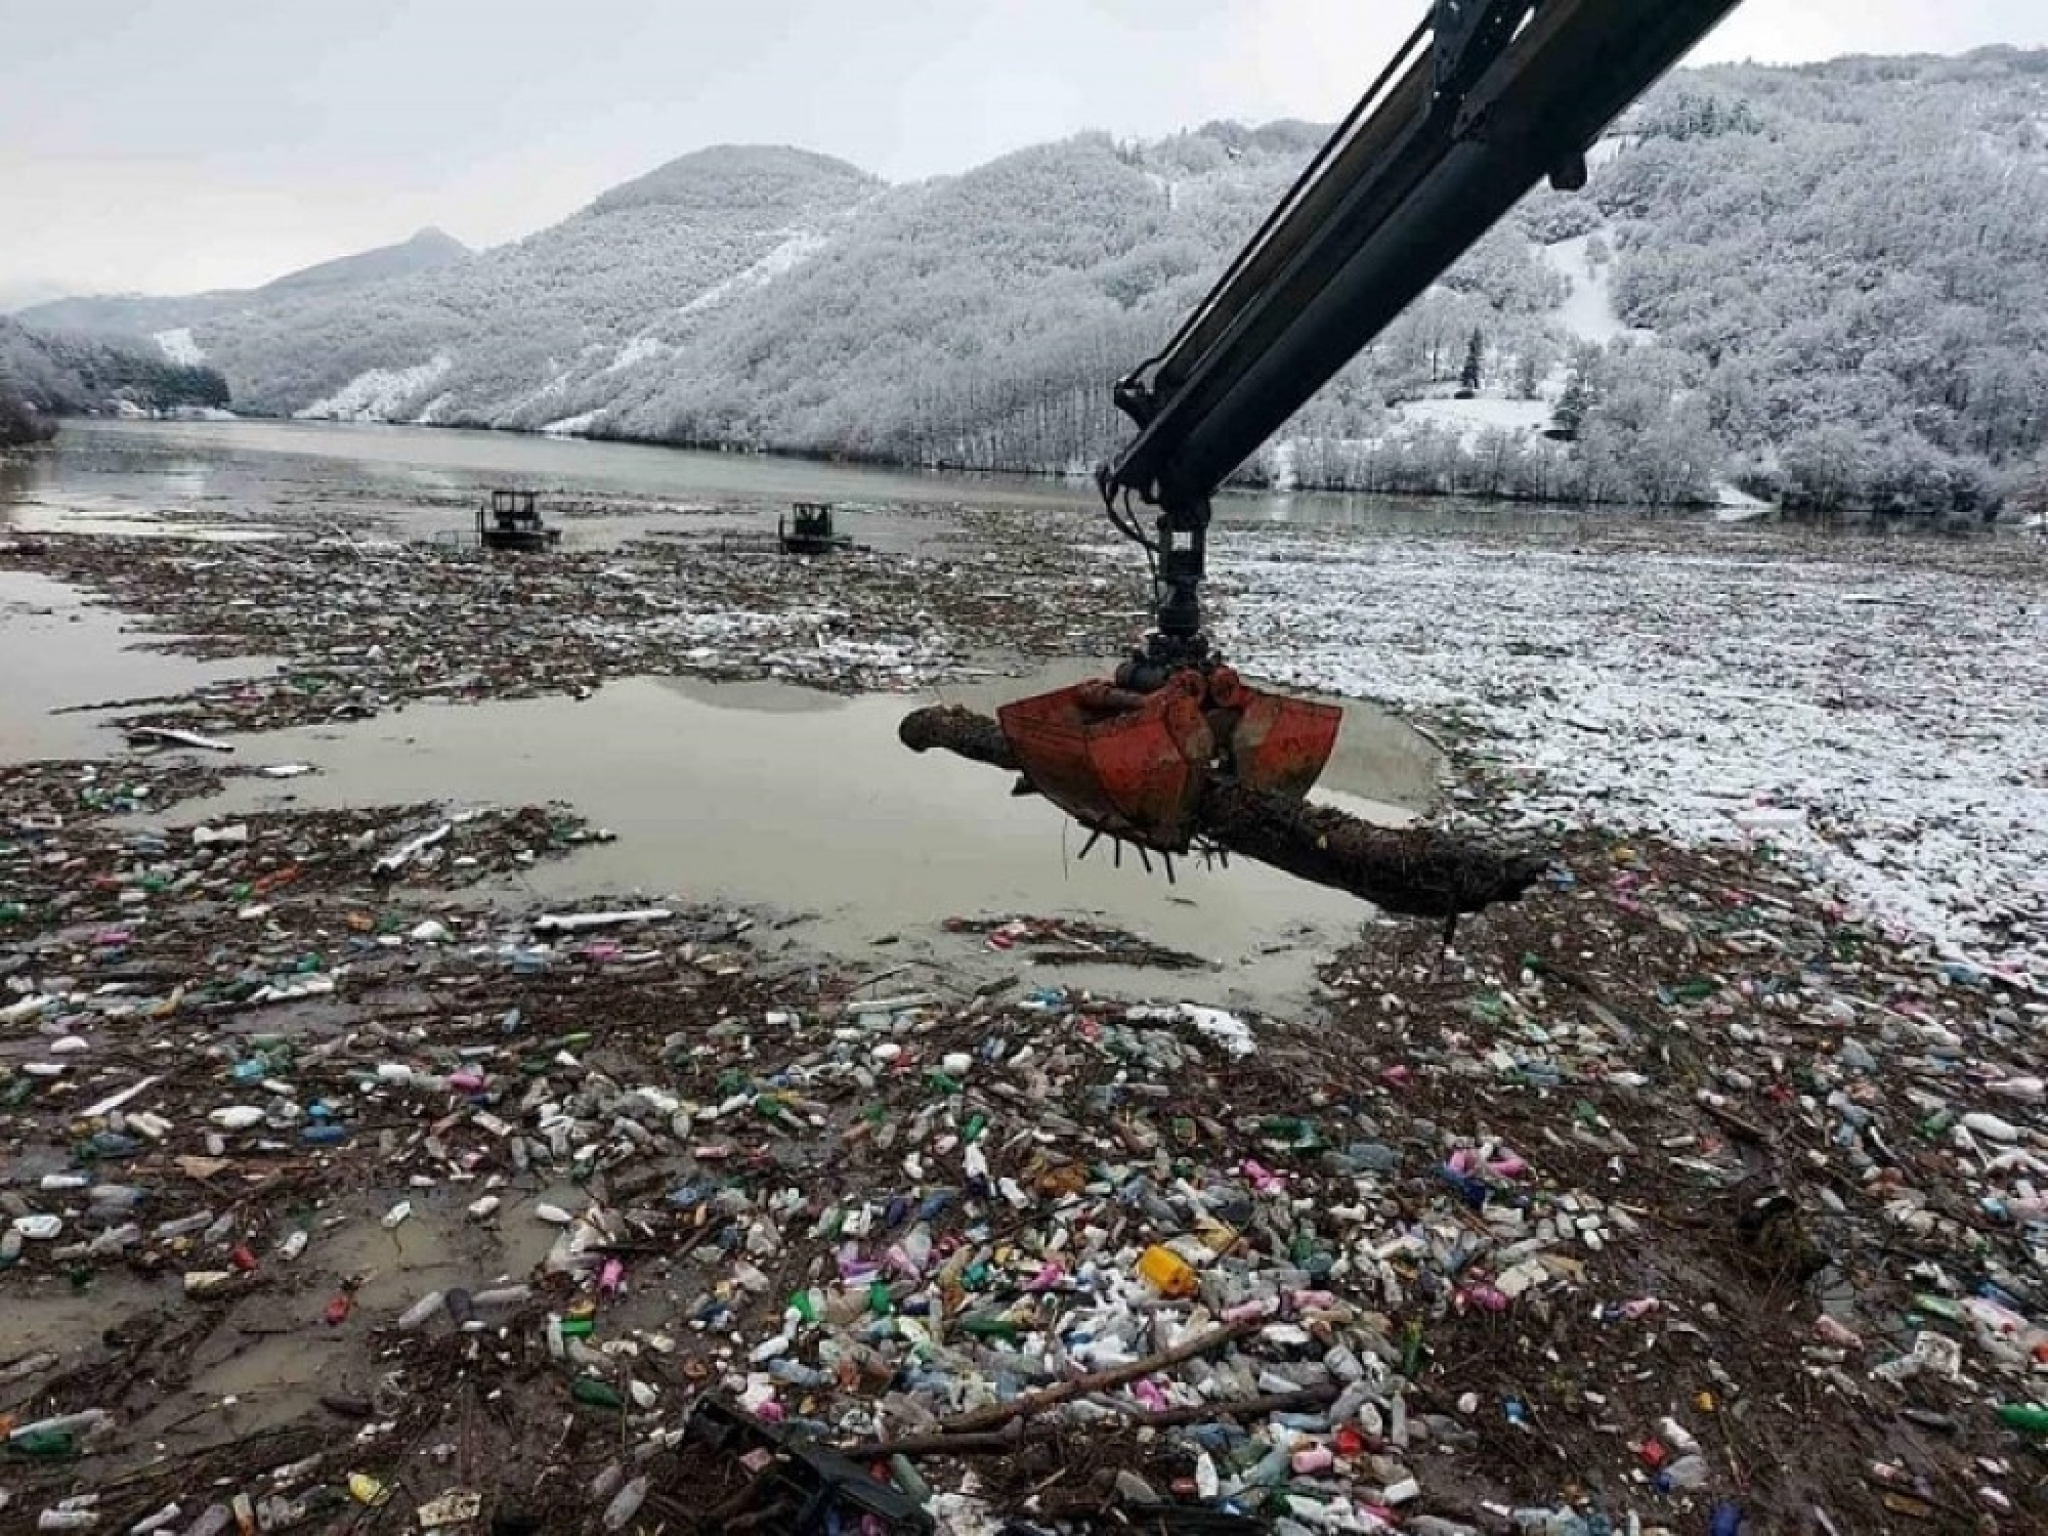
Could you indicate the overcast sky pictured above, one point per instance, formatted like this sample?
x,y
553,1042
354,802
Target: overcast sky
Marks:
x,y
169,145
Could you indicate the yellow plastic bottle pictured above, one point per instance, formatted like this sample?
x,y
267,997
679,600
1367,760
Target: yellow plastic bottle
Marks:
x,y
1168,1273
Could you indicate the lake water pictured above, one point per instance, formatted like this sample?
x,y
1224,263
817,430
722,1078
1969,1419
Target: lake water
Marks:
x,y
429,480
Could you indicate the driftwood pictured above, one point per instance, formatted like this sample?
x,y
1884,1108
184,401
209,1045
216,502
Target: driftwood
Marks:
x,y
1014,1435
1023,1407
1414,871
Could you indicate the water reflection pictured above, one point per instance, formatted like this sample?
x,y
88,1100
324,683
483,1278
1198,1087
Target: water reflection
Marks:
x,y
806,802
431,477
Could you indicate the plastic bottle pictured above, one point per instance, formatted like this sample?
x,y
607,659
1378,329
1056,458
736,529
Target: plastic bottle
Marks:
x,y
67,1520
46,1443
1677,1436
598,1394
1992,1127
417,1315
2031,1417
625,1504
1686,1472
115,1239
90,1421
1168,1273
906,1476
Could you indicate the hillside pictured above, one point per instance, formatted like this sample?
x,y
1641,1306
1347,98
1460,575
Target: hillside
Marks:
x,y
496,337
1823,283
143,317
74,373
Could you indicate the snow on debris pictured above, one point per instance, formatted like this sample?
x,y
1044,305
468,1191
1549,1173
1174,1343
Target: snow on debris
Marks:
x,y
1225,1030
1880,719
380,394
179,348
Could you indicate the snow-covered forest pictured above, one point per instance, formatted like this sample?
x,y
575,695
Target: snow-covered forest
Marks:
x,y
64,372
1827,284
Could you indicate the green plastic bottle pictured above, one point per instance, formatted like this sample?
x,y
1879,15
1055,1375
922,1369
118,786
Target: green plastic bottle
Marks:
x,y
598,1394
1005,1328
47,1443
2031,1417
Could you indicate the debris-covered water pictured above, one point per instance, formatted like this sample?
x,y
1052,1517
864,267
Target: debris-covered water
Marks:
x,y
803,802
1872,705
501,1021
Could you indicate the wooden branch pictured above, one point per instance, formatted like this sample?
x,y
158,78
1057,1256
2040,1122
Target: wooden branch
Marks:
x,y
999,1442
997,1414
1414,871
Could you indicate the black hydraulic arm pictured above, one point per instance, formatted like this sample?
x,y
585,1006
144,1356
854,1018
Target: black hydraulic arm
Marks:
x,y
1487,98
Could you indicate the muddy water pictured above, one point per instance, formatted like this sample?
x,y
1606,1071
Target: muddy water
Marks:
x,y
797,801
58,650
258,1361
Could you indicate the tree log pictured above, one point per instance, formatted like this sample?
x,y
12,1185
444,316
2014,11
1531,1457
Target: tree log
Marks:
x,y
1014,1435
1025,1405
1414,871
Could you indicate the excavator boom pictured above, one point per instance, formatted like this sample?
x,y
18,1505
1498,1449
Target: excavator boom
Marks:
x,y
1486,99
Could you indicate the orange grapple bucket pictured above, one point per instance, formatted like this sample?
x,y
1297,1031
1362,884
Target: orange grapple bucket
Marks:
x,y
1135,765
1281,744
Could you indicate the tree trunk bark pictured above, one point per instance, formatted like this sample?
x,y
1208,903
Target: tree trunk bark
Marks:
x,y
1414,871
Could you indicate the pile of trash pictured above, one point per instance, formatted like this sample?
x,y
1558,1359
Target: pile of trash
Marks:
x,y
357,632
1665,1202
345,1186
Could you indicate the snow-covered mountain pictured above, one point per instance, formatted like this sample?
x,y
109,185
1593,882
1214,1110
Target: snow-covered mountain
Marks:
x,y
1826,281
143,316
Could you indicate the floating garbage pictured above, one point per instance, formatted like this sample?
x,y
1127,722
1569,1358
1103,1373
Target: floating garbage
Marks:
x,y
1622,1210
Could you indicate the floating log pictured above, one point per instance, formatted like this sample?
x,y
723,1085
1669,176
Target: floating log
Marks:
x,y
1413,871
